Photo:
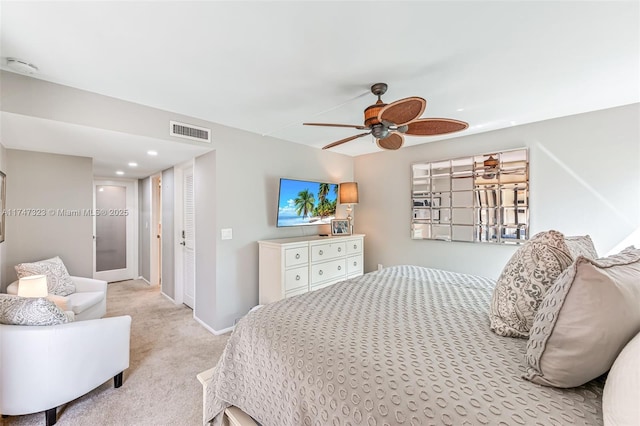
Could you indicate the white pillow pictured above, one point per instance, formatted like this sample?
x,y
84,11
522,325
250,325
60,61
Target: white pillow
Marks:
x,y
621,397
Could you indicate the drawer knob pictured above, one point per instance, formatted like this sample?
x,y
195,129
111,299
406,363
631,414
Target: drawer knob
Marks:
x,y
339,268
355,263
320,272
355,246
339,249
297,277
321,252
297,255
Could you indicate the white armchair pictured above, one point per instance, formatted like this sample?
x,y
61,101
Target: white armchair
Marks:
x,y
88,302
43,367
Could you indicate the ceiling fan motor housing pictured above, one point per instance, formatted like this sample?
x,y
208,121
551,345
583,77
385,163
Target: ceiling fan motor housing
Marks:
x,y
371,113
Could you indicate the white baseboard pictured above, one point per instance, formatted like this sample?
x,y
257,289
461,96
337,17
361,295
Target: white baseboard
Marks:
x,y
144,279
215,332
168,297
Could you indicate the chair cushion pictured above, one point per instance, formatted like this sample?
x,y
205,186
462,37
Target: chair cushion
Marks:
x,y
585,319
78,302
524,280
16,310
58,280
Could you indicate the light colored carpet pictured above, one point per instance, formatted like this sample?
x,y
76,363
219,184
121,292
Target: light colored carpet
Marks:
x,y
168,349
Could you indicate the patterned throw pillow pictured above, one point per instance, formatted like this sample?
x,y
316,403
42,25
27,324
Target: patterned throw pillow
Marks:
x,y
525,280
58,280
16,310
585,320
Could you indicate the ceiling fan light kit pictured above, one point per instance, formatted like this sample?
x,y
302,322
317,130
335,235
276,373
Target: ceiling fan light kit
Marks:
x,y
388,122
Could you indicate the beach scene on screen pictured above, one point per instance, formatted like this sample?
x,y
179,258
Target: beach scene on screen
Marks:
x,y
306,203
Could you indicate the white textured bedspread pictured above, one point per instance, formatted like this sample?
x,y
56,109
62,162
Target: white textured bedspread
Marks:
x,y
402,346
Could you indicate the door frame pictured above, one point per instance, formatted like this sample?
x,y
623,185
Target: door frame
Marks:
x,y
132,224
178,216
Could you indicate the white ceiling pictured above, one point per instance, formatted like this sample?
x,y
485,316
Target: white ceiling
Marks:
x,y
266,67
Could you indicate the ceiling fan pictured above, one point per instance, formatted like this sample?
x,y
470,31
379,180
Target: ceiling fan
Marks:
x,y
388,122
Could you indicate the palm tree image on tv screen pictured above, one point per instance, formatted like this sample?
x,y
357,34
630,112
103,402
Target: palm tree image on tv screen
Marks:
x,y
303,202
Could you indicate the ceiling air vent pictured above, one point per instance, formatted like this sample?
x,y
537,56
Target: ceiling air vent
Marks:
x,y
189,131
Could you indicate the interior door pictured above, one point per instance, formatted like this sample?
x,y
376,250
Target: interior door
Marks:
x,y
115,234
188,239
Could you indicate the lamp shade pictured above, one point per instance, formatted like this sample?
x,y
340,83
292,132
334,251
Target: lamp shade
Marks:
x,y
33,286
349,193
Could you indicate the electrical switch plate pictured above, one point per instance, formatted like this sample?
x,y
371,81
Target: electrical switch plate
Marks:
x,y
226,234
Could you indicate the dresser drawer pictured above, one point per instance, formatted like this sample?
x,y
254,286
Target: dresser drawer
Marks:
x,y
355,265
296,278
301,290
354,247
327,251
326,271
296,256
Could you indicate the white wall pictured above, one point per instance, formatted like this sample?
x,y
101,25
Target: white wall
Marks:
x,y
47,183
585,179
168,233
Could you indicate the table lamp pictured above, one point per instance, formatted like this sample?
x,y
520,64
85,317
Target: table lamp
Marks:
x,y
349,196
33,286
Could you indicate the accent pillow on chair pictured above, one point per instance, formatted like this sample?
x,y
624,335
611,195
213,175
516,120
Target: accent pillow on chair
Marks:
x,y
532,269
58,280
586,318
16,310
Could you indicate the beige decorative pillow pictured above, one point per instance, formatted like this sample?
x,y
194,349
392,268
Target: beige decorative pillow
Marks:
x,y
58,280
585,320
525,280
581,246
16,310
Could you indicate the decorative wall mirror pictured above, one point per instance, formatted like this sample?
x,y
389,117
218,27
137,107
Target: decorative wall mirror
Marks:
x,y
483,198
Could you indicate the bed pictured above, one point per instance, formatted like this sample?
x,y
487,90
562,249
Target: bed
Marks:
x,y
402,346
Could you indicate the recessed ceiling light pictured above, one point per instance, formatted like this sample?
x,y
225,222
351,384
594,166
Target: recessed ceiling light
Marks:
x,y
460,109
119,172
133,164
21,66
153,153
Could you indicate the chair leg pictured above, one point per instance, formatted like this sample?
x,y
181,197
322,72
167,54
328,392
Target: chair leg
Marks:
x,y
117,380
50,416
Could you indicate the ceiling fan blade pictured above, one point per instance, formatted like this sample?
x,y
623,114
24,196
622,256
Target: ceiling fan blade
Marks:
x,y
435,126
403,111
341,141
392,142
352,126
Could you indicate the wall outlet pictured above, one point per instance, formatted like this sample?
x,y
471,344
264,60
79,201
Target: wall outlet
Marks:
x,y
380,266
226,234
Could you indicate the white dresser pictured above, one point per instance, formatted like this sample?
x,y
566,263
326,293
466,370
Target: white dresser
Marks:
x,y
291,266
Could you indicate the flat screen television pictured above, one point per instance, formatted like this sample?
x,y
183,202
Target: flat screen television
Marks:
x,y
303,202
